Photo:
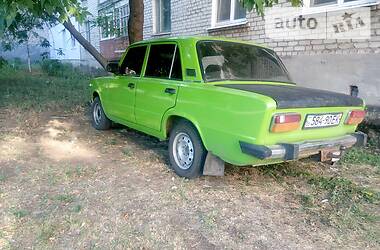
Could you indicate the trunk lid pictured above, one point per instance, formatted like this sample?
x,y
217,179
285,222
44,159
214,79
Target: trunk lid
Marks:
x,y
291,96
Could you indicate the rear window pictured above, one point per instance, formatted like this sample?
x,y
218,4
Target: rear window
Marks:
x,y
222,61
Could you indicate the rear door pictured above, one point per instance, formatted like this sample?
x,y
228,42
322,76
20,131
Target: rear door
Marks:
x,y
157,90
122,89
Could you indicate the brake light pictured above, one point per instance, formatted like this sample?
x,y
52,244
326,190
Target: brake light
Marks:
x,y
285,122
355,117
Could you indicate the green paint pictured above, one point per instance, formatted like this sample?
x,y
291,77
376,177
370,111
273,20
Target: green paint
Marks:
x,y
223,116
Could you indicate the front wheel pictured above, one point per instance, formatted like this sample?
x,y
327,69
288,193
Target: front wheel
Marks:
x,y
99,119
186,151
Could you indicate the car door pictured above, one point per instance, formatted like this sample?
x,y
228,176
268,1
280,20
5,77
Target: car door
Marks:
x,y
122,89
157,90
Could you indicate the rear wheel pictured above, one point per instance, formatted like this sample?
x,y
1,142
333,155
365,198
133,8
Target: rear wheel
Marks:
x,y
186,151
99,119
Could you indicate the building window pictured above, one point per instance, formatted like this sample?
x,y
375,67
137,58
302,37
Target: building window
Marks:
x,y
121,20
107,28
162,16
114,22
88,30
227,12
326,5
73,41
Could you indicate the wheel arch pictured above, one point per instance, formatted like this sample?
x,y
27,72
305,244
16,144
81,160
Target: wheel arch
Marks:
x,y
95,94
170,119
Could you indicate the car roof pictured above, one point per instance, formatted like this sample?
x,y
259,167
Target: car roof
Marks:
x,y
193,39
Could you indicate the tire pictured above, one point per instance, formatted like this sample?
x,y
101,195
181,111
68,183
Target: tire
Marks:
x,y
186,151
99,119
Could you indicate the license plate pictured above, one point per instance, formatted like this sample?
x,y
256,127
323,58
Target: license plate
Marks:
x,y
322,120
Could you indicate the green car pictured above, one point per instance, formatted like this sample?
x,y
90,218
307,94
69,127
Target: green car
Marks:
x,y
219,100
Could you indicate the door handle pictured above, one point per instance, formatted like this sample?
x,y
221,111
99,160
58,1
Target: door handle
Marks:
x,y
170,91
131,85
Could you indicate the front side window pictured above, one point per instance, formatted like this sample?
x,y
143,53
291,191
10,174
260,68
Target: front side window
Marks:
x,y
221,61
164,62
162,16
228,11
133,61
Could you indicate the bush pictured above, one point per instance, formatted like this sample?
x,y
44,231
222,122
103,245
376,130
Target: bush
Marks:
x,y
3,62
54,67
51,67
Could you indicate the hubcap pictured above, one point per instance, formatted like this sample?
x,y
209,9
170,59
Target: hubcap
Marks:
x,y
97,113
183,150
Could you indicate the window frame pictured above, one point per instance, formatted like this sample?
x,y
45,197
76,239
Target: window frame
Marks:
x,y
202,69
144,61
231,21
308,8
87,26
103,38
117,21
177,48
157,14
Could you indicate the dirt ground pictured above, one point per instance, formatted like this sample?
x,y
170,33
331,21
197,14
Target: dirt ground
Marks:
x,y
64,185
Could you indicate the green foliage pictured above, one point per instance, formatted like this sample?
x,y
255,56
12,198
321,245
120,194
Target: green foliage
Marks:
x,y
12,12
19,19
337,201
19,213
343,192
3,62
259,5
21,30
53,67
38,91
361,156
65,198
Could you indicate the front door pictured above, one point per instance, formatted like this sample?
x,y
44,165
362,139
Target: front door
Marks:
x,y
122,89
157,91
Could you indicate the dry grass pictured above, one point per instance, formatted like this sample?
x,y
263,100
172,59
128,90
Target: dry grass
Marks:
x,y
64,185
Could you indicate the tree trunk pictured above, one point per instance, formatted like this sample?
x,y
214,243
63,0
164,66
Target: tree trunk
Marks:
x,y
28,52
86,44
136,21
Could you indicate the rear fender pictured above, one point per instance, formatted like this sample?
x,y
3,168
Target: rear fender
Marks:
x,y
170,114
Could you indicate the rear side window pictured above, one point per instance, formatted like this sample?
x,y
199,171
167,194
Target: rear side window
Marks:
x,y
133,61
164,62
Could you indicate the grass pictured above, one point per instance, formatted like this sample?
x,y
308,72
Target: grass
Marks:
x,y
19,213
40,92
209,219
336,201
77,208
127,151
76,172
362,156
47,232
2,177
321,195
65,198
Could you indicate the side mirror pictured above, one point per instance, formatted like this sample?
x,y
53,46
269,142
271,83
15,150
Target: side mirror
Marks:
x,y
113,67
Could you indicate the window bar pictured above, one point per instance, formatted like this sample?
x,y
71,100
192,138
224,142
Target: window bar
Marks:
x,y
171,67
232,10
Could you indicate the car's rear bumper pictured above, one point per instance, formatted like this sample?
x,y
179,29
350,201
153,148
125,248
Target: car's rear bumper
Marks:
x,y
292,151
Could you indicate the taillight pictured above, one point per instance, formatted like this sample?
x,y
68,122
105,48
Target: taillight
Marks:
x,y
285,122
355,117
